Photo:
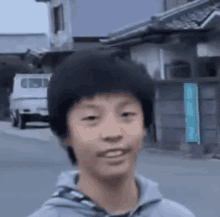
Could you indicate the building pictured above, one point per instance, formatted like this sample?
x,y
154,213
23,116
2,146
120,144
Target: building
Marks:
x,y
178,47
70,19
175,45
74,26
13,48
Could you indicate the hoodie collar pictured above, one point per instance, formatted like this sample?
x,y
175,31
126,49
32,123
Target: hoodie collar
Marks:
x,y
148,191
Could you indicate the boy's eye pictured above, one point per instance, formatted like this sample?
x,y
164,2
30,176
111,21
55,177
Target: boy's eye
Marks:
x,y
126,114
90,118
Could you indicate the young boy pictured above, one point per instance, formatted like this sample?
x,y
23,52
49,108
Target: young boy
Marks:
x,y
100,107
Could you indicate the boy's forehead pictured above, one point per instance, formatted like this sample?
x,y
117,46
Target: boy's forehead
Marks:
x,y
113,97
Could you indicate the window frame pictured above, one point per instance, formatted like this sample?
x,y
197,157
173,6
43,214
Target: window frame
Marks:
x,y
58,14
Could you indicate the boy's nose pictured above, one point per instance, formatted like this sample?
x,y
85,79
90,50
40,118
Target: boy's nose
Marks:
x,y
111,130
113,139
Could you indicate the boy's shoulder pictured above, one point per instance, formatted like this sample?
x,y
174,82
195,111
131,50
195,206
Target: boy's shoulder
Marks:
x,y
172,209
165,208
52,211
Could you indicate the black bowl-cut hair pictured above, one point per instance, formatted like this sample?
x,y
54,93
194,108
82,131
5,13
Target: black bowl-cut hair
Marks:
x,y
90,72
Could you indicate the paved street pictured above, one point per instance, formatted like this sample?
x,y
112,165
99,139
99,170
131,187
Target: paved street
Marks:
x,y
29,170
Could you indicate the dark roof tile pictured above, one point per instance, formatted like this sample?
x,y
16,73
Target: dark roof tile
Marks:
x,y
192,16
188,16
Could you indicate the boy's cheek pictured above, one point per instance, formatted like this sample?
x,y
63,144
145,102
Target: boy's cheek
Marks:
x,y
86,134
135,130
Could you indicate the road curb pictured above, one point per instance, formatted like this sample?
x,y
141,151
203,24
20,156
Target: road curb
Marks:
x,y
181,153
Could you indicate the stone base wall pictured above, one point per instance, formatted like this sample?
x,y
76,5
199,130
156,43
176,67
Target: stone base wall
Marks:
x,y
170,117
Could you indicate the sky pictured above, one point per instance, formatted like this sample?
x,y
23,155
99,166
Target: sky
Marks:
x,y
23,16
29,16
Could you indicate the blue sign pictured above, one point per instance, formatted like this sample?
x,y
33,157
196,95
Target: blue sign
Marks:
x,y
191,112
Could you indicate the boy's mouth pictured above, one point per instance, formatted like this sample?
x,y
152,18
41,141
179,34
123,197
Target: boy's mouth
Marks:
x,y
114,153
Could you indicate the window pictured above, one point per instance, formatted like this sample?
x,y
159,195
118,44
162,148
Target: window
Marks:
x,y
58,18
35,83
24,83
178,69
207,69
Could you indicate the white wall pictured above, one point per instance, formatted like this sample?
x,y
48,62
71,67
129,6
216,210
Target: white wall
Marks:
x,y
147,54
14,43
209,49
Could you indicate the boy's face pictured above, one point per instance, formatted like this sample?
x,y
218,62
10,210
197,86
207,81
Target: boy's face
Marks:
x,y
103,123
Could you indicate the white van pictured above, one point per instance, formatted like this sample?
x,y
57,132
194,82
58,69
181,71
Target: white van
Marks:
x,y
28,101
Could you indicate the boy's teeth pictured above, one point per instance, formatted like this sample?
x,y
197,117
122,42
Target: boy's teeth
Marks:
x,y
114,153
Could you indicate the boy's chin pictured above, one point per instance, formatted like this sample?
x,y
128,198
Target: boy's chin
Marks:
x,y
114,170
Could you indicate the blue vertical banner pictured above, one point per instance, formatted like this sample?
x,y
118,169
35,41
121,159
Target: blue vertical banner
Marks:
x,y
191,112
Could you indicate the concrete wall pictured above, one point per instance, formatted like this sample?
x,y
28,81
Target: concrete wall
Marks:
x,y
170,116
19,43
209,115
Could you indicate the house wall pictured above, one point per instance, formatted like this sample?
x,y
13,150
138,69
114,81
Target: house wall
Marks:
x,y
169,102
209,49
148,55
170,116
180,52
209,115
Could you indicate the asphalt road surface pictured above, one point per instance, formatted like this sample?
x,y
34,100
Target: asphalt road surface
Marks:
x,y
29,171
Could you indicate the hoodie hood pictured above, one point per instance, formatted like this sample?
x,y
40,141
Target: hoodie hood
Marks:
x,y
148,193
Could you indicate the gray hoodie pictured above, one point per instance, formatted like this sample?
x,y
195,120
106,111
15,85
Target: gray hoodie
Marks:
x,y
68,201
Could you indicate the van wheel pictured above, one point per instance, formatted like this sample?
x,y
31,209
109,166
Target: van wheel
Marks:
x,y
21,122
14,121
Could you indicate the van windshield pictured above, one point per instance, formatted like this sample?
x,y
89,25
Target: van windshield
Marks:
x,y
34,83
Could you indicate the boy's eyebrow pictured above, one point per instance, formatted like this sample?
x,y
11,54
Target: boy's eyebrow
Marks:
x,y
93,106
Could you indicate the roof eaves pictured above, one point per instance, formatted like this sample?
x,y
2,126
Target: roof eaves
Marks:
x,y
129,28
134,29
214,14
130,35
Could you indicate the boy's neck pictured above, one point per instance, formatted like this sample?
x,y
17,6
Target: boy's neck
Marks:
x,y
117,194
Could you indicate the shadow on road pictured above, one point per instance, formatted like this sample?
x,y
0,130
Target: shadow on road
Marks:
x,y
32,126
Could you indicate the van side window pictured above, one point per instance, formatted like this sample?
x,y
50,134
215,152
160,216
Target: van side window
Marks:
x,y
35,83
24,82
